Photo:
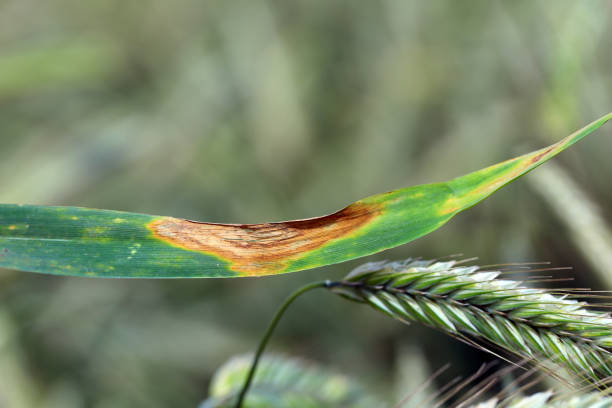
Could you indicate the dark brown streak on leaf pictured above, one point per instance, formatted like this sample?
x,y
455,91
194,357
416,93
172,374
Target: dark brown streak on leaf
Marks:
x,y
256,249
539,156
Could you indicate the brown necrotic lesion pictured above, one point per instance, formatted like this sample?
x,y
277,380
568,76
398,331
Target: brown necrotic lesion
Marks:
x,y
262,249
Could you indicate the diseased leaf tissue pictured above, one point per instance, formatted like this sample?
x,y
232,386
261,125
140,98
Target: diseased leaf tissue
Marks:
x,y
103,243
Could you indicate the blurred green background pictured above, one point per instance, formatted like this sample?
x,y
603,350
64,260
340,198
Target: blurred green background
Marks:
x,y
253,111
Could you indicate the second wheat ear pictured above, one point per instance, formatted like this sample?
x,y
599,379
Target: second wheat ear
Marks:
x,y
102,243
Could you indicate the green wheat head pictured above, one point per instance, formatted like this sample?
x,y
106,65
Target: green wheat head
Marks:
x,y
478,306
548,400
283,382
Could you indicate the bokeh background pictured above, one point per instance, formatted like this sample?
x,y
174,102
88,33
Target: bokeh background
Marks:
x,y
252,111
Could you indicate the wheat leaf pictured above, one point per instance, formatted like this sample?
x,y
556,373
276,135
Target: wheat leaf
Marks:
x,y
102,243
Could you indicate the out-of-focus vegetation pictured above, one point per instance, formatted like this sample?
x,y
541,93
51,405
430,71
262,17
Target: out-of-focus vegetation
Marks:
x,y
283,382
250,111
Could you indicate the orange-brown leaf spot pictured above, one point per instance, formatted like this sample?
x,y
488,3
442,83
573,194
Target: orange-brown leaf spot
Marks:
x,y
536,158
262,249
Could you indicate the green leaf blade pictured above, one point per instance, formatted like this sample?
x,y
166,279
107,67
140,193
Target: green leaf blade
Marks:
x,y
99,243
102,243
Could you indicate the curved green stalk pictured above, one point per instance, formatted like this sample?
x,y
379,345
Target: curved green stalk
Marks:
x,y
264,341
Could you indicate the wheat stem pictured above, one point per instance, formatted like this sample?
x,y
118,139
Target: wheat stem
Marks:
x,y
264,341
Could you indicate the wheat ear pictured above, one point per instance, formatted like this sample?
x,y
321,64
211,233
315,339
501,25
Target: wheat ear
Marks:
x,y
547,400
283,382
479,306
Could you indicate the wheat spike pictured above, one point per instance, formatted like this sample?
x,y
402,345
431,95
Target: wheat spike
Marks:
x,y
547,400
283,382
478,306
